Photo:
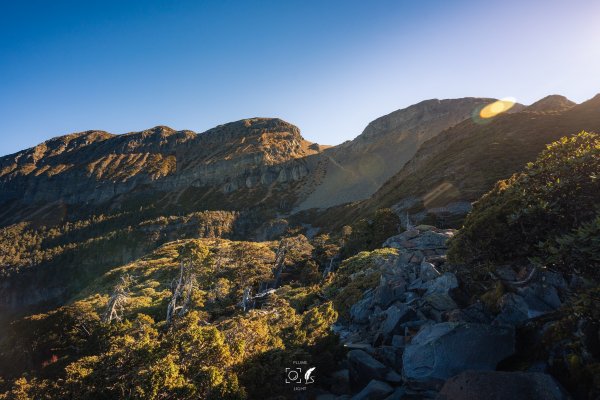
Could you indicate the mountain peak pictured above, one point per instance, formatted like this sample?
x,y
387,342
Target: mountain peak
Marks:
x,y
252,127
553,102
162,130
413,116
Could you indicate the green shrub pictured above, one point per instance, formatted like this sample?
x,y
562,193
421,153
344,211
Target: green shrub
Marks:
x,y
579,249
367,235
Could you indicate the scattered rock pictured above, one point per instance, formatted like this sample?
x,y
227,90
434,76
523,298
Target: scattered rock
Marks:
x,y
361,311
432,240
424,228
440,301
393,377
390,356
530,301
442,284
367,348
398,394
496,385
419,243
513,310
475,313
540,298
398,341
389,290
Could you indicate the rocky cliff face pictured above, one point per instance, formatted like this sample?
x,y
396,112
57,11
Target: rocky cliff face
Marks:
x,y
355,170
95,166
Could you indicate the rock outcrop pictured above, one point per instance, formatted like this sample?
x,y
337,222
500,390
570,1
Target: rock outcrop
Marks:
x,y
551,103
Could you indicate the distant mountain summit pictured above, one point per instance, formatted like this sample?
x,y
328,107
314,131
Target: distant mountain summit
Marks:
x,y
551,103
355,170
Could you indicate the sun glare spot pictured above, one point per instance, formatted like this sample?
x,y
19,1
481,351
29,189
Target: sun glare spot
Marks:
x,y
497,107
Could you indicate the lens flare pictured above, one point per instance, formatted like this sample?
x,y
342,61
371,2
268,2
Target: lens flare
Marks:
x,y
497,107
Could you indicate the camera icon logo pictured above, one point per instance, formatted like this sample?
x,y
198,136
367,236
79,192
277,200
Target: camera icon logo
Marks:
x,y
293,375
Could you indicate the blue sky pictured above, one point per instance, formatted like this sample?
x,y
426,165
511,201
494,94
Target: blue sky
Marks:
x,y
329,67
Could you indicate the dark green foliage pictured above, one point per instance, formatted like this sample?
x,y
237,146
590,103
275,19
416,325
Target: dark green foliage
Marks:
x,y
552,205
369,234
570,342
579,249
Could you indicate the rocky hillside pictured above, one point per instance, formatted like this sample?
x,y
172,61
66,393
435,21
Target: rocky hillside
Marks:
x,y
457,166
102,185
95,168
354,170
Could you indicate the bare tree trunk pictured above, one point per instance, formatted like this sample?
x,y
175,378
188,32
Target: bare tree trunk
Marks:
x,y
280,261
117,301
176,289
246,298
328,269
182,291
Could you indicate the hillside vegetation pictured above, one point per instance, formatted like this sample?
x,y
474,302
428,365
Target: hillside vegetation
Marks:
x,y
550,212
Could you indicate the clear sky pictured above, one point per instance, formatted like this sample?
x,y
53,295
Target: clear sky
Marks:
x,y
327,66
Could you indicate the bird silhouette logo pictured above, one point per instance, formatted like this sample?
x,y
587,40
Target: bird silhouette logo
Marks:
x,y
307,376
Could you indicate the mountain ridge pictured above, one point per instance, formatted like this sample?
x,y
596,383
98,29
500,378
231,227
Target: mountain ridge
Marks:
x,y
119,163
464,161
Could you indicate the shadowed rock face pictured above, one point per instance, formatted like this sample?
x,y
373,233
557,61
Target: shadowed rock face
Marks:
x,y
443,350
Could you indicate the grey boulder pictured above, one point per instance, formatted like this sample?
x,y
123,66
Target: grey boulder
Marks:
x,y
395,316
361,311
442,284
431,240
443,350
